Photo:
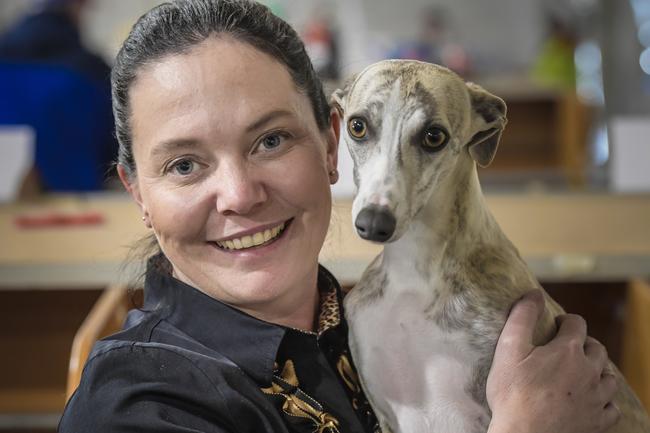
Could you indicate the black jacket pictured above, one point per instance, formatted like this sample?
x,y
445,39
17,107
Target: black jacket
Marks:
x,y
189,363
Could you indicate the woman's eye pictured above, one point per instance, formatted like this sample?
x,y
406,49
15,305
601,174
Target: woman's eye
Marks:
x,y
183,167
271,141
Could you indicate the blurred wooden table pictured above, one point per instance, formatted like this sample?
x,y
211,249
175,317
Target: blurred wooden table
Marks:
x,y
67,256
562,237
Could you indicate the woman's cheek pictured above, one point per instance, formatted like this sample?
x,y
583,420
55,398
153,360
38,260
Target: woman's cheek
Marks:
x,y
177,213
306,175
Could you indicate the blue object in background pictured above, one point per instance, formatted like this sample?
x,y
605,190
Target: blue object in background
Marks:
x,y
71,116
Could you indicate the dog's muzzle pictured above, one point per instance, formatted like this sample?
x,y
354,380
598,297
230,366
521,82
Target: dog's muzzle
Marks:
x,y
375,223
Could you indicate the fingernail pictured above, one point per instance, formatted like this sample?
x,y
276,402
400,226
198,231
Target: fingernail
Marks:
x,y
535,295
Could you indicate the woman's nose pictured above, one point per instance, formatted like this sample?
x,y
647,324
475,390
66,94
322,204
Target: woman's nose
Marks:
x,y
239,191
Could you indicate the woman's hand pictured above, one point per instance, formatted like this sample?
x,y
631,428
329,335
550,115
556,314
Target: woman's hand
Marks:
x,y
556,388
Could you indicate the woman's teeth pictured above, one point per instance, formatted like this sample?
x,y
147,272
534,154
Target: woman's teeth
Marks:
x,y
253,240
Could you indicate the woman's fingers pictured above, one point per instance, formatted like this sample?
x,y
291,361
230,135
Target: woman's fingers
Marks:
x,y
571,366
596,353
608,387
572,330
611,415
517,335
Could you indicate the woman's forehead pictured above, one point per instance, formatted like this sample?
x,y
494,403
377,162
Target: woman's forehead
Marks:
x,y
221,58
221,83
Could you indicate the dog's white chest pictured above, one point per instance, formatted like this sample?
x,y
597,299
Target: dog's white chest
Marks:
x,y
419,376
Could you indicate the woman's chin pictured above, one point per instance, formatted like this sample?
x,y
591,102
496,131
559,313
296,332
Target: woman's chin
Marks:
x,y
246,289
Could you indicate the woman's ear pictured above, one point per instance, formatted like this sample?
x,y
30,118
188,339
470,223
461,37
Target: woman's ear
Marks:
x,y
132,188
333,136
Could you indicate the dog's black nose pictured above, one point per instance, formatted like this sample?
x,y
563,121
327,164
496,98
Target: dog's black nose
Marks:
x,y
375,224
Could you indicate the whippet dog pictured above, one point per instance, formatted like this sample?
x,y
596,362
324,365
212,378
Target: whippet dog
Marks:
x,y
425,317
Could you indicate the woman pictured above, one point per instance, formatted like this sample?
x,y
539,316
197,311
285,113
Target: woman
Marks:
x,y
228,146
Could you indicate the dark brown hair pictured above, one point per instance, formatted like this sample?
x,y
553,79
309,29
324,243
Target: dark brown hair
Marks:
x,y
174,28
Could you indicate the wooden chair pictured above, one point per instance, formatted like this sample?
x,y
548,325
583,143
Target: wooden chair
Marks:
x,y
636,341
105,318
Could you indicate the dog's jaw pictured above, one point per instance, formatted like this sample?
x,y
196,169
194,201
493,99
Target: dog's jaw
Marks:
x,y
450,222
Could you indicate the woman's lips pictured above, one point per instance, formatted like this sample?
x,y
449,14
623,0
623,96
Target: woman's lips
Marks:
x,y
255,240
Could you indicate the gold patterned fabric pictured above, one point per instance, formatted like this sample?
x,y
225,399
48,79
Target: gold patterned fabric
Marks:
x,y
297,404
330,313
315,386
360,404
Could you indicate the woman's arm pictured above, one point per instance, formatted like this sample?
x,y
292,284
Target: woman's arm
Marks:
x,y
139,389
555,388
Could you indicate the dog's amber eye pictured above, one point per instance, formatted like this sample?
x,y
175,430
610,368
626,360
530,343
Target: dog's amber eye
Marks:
x,y
357,127
434,139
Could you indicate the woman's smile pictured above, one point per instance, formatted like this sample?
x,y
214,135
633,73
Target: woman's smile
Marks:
x,y
255,239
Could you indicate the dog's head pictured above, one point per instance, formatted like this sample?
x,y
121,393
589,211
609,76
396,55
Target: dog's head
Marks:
x,y
413,129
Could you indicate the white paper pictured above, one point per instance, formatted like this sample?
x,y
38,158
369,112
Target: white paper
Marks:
x,y
630,163
17,145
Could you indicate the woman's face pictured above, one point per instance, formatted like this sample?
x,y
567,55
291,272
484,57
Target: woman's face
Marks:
x,y
232,172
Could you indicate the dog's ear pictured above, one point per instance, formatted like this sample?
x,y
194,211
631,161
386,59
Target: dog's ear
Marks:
x,y
488,122
338,100
339,96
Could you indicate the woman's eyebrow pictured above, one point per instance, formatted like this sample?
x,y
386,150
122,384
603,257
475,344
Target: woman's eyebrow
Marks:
x,y
268,117
169,146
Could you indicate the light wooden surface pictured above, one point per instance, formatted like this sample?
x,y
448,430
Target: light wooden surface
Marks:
x,y
105,318
547,225
106,242
636,341
562,236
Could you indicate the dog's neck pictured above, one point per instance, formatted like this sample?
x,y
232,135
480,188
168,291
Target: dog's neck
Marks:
x,y
447,225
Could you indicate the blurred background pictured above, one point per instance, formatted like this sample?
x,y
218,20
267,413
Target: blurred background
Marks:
x,y
575,74
570,184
